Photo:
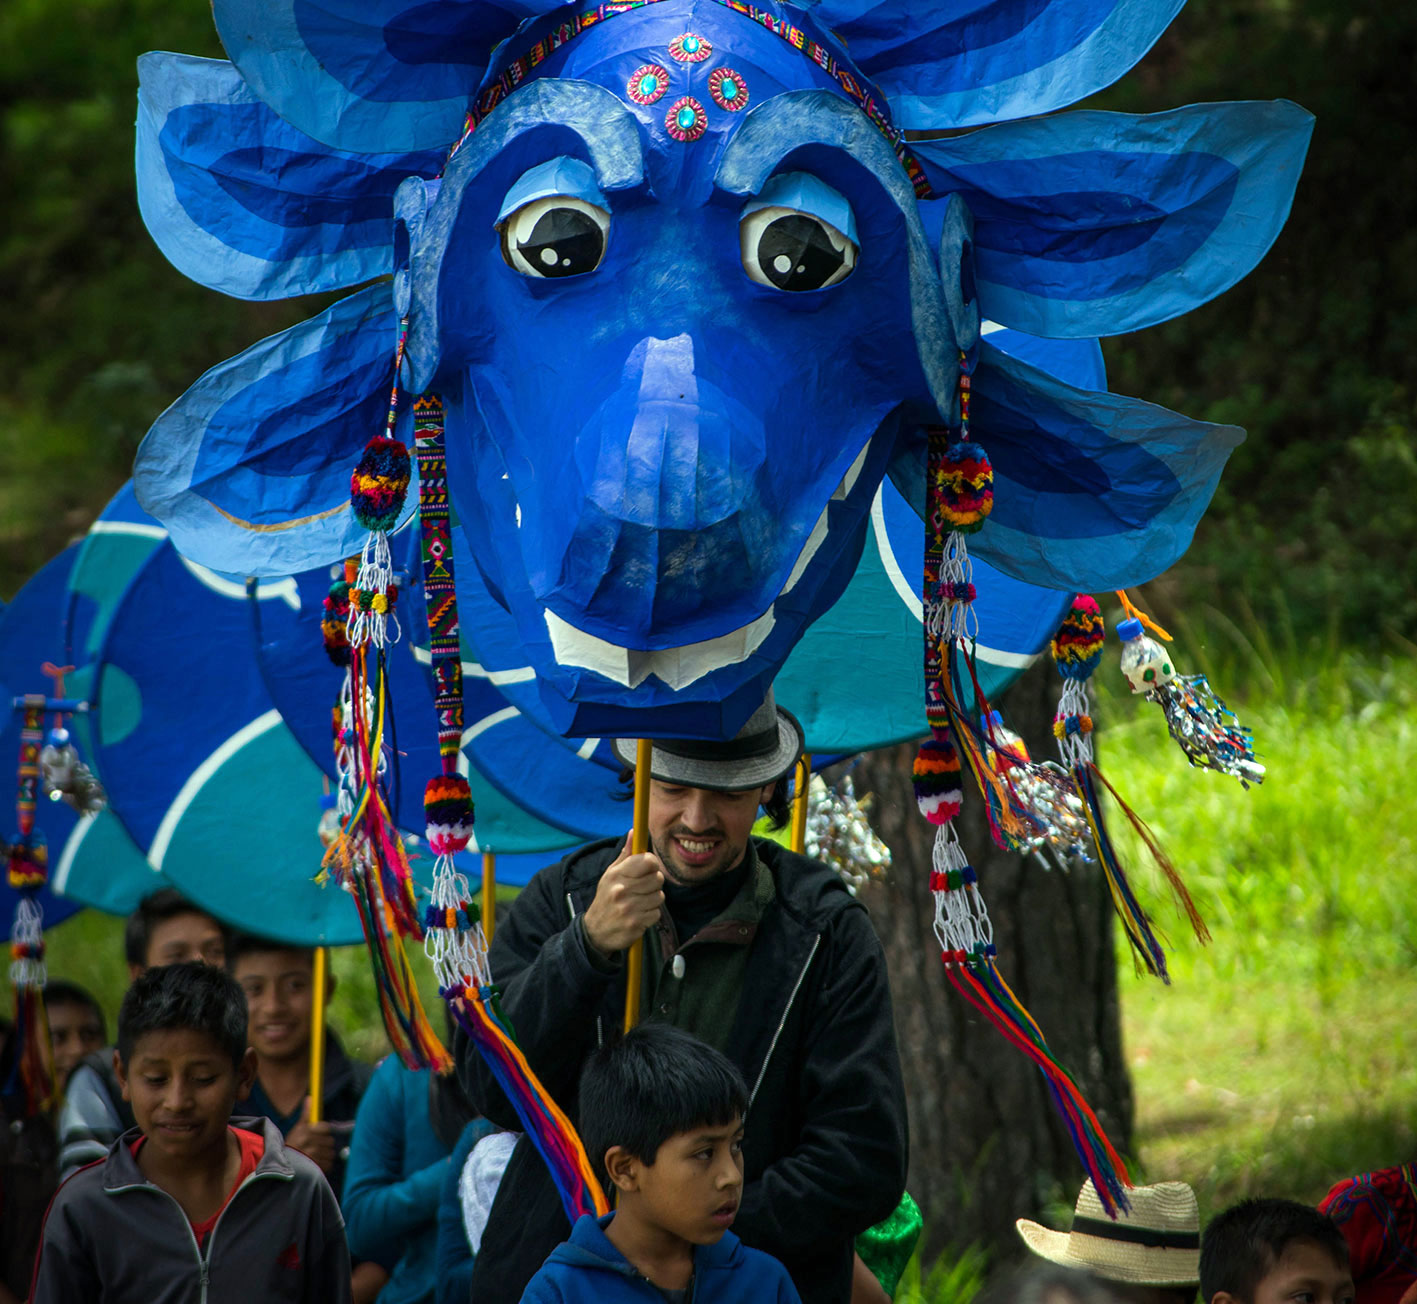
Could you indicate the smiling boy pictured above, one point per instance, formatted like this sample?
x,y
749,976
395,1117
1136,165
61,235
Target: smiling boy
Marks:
x,y
191,1205
661,1114
279,983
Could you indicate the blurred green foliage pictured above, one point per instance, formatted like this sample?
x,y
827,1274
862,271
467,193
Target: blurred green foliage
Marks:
x,y
1315,353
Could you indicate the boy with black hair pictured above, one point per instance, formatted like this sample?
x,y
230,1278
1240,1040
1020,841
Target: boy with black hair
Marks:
x,y
661,1115
76,1026
166,928
279,982
191,1204
1271,1252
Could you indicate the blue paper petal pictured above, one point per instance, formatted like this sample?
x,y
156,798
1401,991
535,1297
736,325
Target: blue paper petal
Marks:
x,y
367,75
249,469
1091,491
953,64
242,202
1092,224
856,680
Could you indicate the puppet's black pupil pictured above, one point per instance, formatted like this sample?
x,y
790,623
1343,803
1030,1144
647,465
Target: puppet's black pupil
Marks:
x,y
564,242
795,253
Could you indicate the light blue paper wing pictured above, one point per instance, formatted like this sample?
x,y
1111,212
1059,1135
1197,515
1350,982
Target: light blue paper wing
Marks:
x,y
1091,491
529,767
249,470
958,63
100,866
198,763
1091,224
109,555
856,680
242,202
367,74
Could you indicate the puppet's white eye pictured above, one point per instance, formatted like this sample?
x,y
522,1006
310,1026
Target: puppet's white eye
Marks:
x,y
555,236
792,250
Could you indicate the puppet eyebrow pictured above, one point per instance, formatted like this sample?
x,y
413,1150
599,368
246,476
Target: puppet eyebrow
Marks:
x,y
793,119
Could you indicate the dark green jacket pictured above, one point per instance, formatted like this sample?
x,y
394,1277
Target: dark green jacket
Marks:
x,y
825,1143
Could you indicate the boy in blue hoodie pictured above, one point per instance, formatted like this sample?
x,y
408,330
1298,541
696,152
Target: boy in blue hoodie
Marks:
x,y
663,1114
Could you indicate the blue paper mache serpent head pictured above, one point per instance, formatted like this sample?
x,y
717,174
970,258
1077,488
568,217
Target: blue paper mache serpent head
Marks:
x,y
689,295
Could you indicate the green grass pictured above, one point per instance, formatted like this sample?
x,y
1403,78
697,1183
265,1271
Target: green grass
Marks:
x,y
1284,1056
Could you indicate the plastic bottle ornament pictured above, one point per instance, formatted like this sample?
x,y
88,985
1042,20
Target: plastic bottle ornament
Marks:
x,y
1202,725
66,778
1144,661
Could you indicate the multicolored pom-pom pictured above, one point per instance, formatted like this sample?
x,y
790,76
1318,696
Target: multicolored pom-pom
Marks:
x,y
447,810
938,790
28,865
1077,646
379,485
966,487
334,624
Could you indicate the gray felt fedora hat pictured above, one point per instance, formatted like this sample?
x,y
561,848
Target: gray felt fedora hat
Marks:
x,y
763,750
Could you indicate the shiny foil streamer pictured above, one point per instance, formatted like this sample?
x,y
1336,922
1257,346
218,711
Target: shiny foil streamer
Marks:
x,y
1207,730
840,835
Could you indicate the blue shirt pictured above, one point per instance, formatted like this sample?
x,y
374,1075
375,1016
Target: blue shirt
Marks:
x,y
394,1180
588,1269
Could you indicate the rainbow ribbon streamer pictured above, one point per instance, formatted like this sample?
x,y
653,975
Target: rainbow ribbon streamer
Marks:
x,y
479,1013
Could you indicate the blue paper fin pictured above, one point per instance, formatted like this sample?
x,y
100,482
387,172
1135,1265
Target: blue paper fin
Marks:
x,y
368,75
1092,491
249,469
242,202
1096,223
951,63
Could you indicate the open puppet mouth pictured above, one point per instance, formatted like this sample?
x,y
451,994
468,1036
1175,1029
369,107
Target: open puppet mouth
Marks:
x,y
678,667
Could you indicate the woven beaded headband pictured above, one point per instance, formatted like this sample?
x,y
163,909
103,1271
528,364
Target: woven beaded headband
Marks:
x,y
853,84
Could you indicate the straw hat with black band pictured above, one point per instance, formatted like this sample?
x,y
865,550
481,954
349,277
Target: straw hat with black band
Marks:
x,y
763,751
1157,1243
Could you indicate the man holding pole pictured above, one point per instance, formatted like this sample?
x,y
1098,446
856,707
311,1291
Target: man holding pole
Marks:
x,y
759,952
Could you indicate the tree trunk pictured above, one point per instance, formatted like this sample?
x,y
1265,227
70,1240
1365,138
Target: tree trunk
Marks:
x,y
986,1144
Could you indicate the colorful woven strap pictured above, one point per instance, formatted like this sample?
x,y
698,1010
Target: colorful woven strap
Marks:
x,y
439,590
31,738
834,63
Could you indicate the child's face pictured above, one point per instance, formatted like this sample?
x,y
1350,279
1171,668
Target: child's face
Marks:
x,y
1306,1274
693,1187
75,1030
182,1086
279,996
190,935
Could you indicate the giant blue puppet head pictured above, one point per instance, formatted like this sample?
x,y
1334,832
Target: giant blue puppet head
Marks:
x,y
689,294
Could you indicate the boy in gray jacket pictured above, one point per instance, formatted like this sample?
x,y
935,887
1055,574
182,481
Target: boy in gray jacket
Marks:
x,y
191,1205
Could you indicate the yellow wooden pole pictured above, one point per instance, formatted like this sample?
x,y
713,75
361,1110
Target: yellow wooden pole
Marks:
x,y
489,893
639,844
320,980
802,783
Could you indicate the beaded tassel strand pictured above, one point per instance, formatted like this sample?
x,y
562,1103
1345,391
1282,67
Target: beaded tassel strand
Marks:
x,y
959,498
32,1078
